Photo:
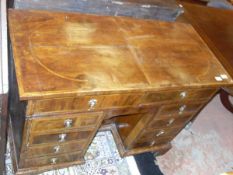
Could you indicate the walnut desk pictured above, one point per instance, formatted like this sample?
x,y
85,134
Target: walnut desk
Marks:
x,y
77,74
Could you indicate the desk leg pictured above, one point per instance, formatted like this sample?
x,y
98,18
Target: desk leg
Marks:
x,y
224,96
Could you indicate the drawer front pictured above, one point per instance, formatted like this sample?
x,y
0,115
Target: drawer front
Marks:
x,y
51,160
66,122
60,137
151,142
53,149
171,121
129,110
154,134
180,109
153,97
84,103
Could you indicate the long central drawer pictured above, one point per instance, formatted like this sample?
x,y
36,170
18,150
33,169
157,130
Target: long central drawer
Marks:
x,y
100,102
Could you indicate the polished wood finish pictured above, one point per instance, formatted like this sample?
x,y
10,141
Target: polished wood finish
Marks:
x,y
158,149
159,48
165,121
65,122
77,74
216,28
153,97
51,160
54,149
82,103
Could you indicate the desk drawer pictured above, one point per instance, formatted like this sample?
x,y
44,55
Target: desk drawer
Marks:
x,y
152,142
62,137
179,109
51,160
153,134
84,103
54,149
153,97
171,121
66,122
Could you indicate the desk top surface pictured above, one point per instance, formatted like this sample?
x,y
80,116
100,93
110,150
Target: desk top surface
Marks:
x,y
216,28
64,54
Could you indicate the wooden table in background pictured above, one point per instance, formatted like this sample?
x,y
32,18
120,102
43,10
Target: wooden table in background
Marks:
x,y
215,26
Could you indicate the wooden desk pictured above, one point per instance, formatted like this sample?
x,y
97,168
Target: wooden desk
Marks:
x,y
143,80
215,26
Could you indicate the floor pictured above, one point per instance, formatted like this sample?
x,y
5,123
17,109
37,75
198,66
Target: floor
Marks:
x,y
206,148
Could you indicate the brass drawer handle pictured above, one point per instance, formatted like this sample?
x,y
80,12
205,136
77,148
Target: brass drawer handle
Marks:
x,y
62,137
170,122
68,123
182,108
92,103
56,149
183,94
53,161
160,133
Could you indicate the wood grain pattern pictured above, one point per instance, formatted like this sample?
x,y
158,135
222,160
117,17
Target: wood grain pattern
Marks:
x,y
129,76
105,102
45,161
165,121
98,48
218,34
53,149
151,141
159,149
82,103
180,109
182,95
215,27
57,123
